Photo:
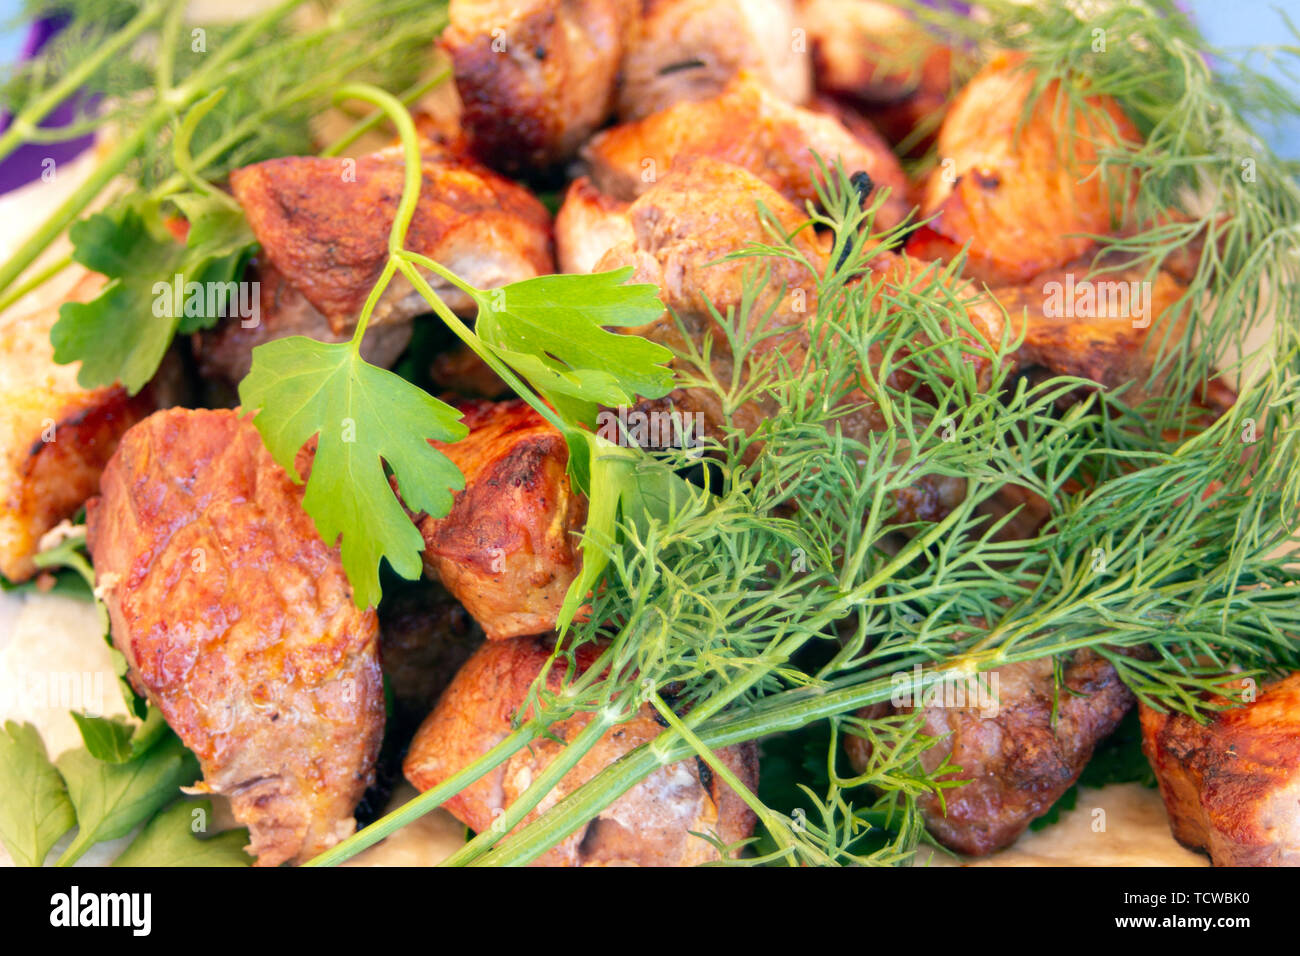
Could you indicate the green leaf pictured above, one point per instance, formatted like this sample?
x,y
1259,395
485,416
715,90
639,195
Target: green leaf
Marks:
x,y
364,417
122,335
619,481
34,806
171,839
115,740
554,331
111,799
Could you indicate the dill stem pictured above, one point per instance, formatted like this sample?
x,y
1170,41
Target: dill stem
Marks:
x,y
774,826
35,281
28,118
430,800
546,781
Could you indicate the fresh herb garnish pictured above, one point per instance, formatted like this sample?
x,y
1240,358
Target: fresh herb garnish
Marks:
x,y
172,838
111,799
34,809
122,334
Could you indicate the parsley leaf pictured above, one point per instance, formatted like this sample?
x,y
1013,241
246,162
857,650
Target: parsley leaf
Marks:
x,y
118,336
364,418
553,330
111,798
34,810
171,839
114,740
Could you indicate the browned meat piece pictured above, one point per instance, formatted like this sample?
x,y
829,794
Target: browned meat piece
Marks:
x,y
425,635
1106,327
1017,762
55,436
1232,787
749,127
508,549
690,50
225,352
536,77
1023,196
649,825
238,623
324,226
875,54
588,225
460,370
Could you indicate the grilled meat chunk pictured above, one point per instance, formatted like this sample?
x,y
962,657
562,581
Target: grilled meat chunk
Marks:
x,y
876,55
225,353
508,549
649,825
1024,196
324,226
690,49
1232,787
588,225
750,127
1107,327
238,623
1005,744
55,436
536,78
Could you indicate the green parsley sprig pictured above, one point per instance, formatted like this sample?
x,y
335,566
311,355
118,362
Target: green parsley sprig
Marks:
x,y
546,337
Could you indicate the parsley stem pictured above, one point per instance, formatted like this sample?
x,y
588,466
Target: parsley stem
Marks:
x,y
367,123
413,167
466,335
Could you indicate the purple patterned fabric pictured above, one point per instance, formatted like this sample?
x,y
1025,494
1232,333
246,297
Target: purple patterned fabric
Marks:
x,y
28,162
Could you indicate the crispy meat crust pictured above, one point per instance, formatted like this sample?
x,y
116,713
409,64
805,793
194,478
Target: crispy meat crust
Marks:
x,y
748,126
225,353
508,549
238,623
588,225
648,825
877,56
537,77
1021,197
55,436
1232,787
1017,763
690,49
324,226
